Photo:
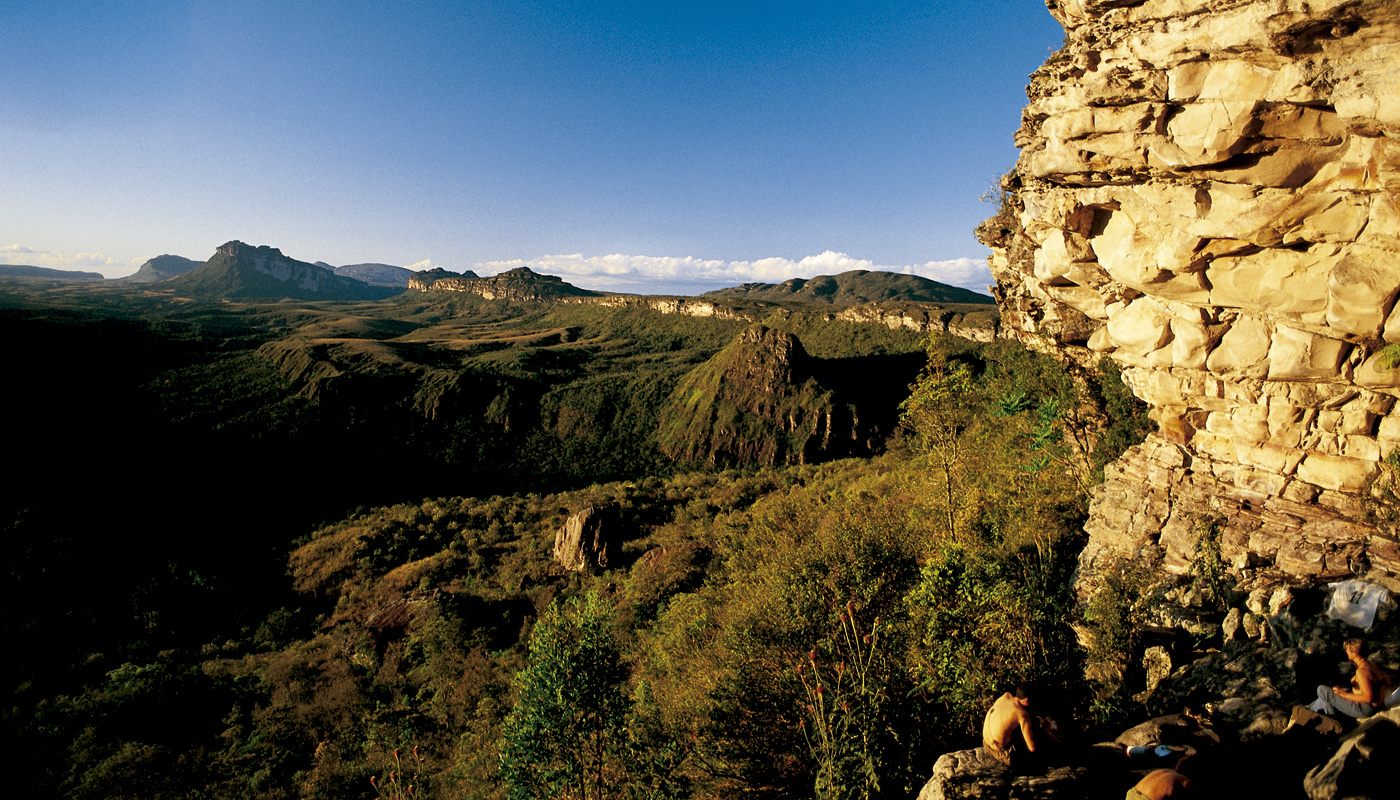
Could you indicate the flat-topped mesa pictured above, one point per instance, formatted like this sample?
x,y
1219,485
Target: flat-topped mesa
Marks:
x,y
236,248
1208,193
515,285
429,280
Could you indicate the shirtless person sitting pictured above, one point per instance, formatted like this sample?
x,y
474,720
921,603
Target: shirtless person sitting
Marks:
x,y
1010,734
1369,687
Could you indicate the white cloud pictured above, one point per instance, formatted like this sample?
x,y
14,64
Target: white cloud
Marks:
x,y
81,262
688,275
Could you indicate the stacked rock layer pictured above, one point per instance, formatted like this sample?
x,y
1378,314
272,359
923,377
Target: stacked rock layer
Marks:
x,y
1208,193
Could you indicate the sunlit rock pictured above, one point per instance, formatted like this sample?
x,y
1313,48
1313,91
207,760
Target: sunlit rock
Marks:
x,y
1209,191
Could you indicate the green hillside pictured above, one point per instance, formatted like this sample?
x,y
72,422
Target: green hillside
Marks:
x,y
275,550
854,287
27,271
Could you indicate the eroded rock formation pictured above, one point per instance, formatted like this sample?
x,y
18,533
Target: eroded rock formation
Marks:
x,y
521,284
756,401
1363,765
590,539
1209,194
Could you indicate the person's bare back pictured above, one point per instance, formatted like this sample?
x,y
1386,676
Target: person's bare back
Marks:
x,y
1160,784
1011,735
1005,719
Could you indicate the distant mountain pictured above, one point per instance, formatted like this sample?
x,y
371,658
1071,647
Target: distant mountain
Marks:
x,y
26,271
161,268
519,284
854,287
375,274
239,271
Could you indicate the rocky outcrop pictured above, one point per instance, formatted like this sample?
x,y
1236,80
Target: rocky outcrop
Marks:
x,y
589,540
521,284
1208,193
688,307
429,279
972,775
1364,764
756,401
977,326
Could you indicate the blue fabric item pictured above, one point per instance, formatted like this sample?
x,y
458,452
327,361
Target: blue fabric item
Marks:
x,y
1340,705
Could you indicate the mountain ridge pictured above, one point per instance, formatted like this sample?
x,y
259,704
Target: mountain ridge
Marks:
x,y
516,285
161,268
854,287
30,271
239,271
373,273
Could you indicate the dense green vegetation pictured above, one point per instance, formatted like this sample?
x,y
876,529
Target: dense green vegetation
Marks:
x,y
254,599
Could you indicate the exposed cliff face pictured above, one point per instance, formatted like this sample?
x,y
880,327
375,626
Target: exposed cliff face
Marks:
x,y
373,274
521,284
1209,194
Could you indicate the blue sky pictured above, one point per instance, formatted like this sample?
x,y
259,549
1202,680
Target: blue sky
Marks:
x,y
629,146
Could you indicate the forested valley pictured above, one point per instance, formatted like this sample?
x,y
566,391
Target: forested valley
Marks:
x,y
308,549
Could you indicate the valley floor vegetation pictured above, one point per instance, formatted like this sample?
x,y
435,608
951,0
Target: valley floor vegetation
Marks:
x,y
210,626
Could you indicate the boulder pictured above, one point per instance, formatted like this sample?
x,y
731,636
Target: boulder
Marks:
x,y
973,775
1363,765
1182,732
589,540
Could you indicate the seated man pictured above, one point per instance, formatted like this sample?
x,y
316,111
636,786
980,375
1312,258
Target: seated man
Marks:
x,y
1159,784
1010,734
1369,687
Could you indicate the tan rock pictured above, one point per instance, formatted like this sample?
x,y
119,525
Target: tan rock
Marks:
x,y
1374,376
1336,472
1277,281
1218,183
1141,327
1300,355
1207,132
1086,301
1192,339
1243,351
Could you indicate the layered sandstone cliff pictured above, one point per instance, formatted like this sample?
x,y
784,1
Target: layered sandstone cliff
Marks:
x,y
519,285
1209,194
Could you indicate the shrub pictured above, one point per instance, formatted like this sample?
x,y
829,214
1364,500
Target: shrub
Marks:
x,y
564,734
